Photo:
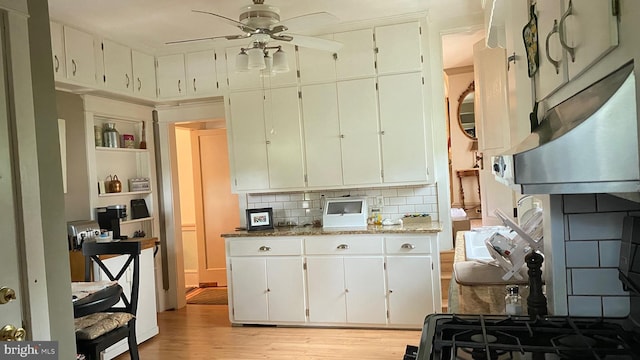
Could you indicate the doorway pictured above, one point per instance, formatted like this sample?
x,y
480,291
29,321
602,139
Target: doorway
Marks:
x,y
464,159
207,206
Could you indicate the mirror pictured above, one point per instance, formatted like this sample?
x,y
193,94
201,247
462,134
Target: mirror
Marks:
x,y
466,116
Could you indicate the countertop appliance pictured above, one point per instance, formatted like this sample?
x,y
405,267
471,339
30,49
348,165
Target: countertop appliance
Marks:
x,y
80,231
449,336
586,144
109,218
345,212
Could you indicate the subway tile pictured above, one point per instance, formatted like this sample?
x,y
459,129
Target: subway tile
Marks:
x,y
305,204
276,205
405,192
373,192
596,282
430,199
291,204
397,201
608,202
427,190
415,200
569,283
282,197
297,212
312,196
254,198
389,192
580,203
615,306
423,209
406,209
585,306
609,253
390,209
296,197
268,198
598,226
582,254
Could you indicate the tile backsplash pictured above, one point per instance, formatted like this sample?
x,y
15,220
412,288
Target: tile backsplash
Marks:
x,y
593,229
300,208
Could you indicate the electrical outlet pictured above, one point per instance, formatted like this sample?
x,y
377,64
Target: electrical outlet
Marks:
x,y
379,200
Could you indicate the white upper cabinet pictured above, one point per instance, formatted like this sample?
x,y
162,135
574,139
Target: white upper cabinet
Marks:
x,y
80,56
403,128
118,71
398,48
171,76
144,74
249,158
317,65
201,73
356,58
284,138
359,132
577,34
322,135
57,47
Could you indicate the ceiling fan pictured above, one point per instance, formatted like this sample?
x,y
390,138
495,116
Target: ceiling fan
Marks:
x,y
261,23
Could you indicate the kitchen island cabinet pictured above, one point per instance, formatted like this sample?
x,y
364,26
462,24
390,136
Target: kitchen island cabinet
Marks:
x,y
321,278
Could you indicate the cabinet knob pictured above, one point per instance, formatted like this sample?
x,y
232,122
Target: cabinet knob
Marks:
x,y
264,248
268,290
341,136
343,247
382,132
346,290
408,246
390,291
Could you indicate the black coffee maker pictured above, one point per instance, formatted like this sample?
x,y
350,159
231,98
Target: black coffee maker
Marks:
x,y
109,218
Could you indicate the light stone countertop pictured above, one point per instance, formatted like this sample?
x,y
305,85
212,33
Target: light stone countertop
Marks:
x,y
421,228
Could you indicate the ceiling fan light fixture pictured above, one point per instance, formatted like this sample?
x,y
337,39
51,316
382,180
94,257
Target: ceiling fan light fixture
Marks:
x,y
242,61
268,62
256,58
280,62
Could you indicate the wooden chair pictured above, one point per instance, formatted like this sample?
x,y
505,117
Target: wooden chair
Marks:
x,y
92,250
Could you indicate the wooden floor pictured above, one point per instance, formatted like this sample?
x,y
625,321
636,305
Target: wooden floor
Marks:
x,y
203,332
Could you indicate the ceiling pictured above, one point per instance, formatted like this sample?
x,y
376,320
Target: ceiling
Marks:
x,y
149,24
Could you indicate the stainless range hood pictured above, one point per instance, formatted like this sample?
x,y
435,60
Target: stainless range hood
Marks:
x,y
586,144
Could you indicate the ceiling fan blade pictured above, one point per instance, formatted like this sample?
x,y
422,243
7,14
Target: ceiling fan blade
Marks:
x,y
228,37
308,21
310,42
230,21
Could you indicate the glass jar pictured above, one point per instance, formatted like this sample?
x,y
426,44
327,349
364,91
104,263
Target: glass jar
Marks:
x,y
110,136
513,301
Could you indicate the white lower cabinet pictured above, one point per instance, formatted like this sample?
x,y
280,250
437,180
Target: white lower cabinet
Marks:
x,y
334,280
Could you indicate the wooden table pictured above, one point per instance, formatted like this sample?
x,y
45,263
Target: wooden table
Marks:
x,y
464,173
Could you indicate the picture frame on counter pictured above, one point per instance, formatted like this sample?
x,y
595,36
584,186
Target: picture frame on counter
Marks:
x,y
259,219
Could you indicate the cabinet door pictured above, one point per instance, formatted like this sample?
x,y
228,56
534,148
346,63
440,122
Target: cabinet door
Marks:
x,y
171,76
80,56
410,284
322,135
249,142
317,65
356,58
592,30
364,285
326,289
144,74
249,284
549,76
240,79
398,48
359,132
117,67
284,138
57,51
285,280
201,73
403,128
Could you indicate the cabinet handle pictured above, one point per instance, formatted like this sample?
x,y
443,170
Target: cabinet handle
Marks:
x,y
561,29
268,142
341,136
346,290
268,290
139,84
194,85
343,247
408,246
264,248
75,67
179,88
554,30
382,132
128,80
55,57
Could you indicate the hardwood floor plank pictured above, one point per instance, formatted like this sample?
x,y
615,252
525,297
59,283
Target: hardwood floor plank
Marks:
x,y
199,332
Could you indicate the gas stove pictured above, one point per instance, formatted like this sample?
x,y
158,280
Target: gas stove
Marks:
x,y
447,336
538,336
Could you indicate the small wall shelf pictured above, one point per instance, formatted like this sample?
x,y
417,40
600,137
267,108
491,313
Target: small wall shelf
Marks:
x,y
102,148
136,220
125,193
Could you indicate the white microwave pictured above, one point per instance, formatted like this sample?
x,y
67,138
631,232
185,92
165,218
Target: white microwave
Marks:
x,y
345,212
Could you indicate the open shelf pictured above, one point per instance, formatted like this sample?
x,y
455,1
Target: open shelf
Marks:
x,y
136,220
125,193
102,148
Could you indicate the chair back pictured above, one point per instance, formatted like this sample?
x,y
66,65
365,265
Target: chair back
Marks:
x,y
92,252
